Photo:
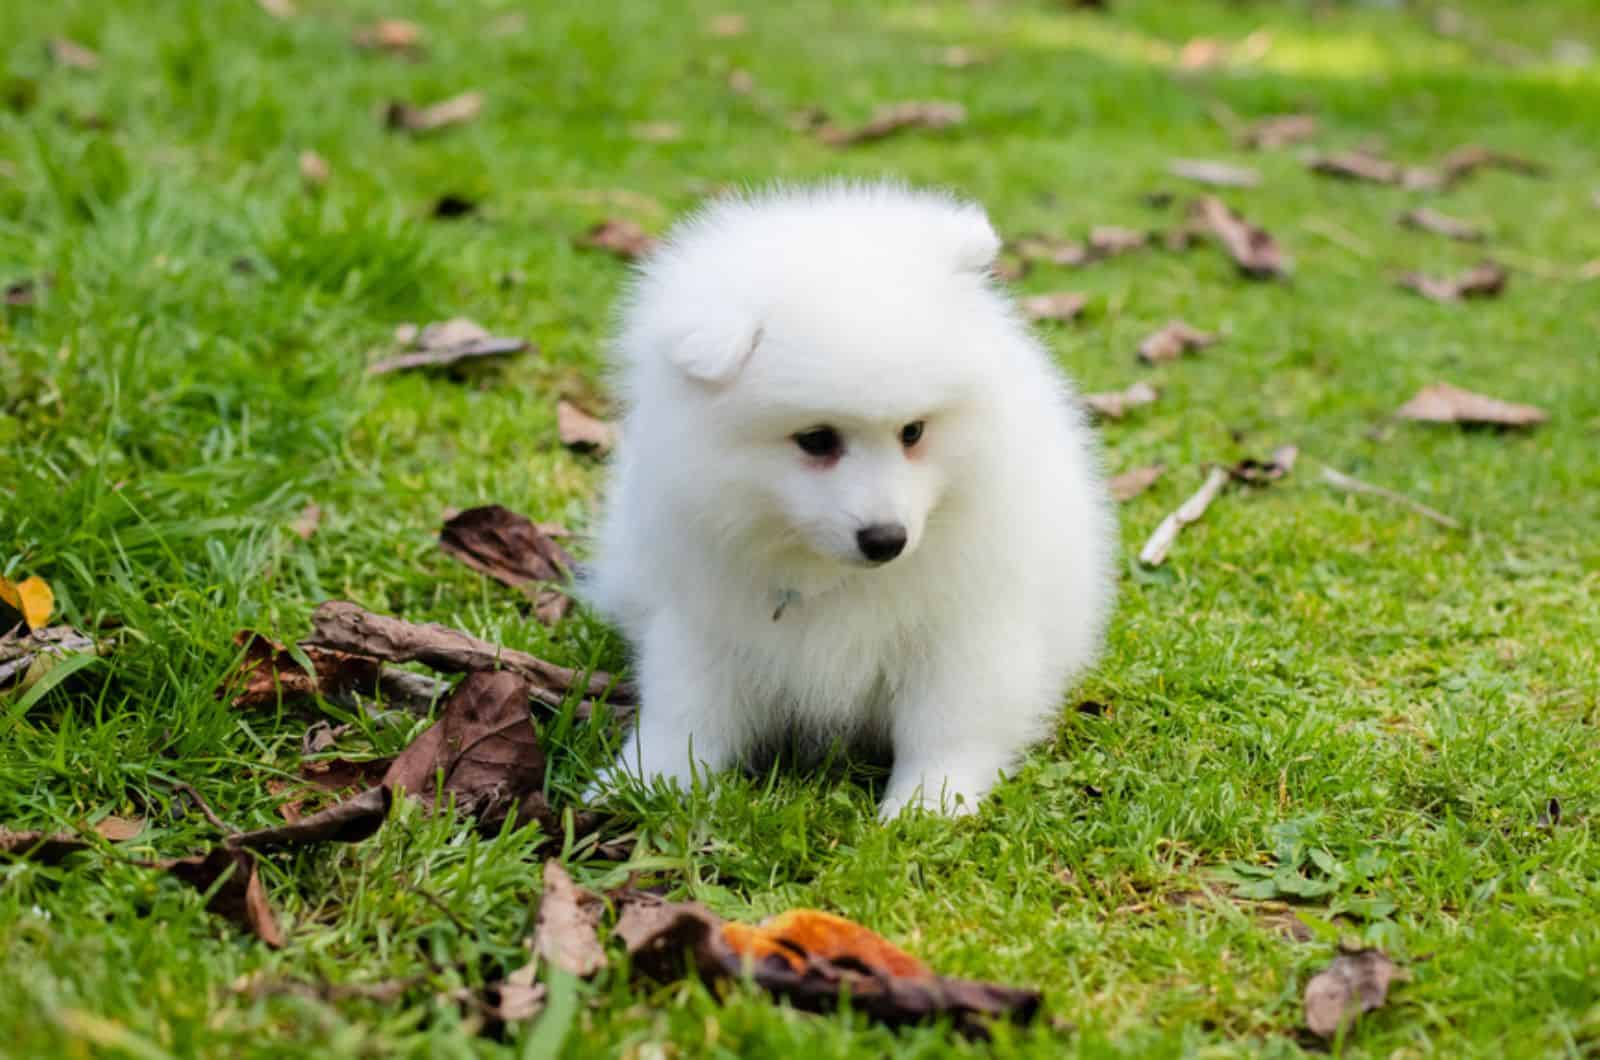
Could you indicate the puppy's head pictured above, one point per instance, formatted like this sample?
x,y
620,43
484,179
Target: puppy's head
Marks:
x,y
817,359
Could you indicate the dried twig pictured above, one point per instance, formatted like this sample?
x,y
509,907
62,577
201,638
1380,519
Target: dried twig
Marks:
x,y
1351,484
1155,550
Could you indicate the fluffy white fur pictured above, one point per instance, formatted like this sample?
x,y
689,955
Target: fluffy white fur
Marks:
x,y
729,557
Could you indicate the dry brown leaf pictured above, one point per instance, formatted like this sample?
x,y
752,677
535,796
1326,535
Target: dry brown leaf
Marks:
x,y
1255,251
1160,543
656,132
1128,485
728,24
1443,403
1050,249
513,550
25,659
960,57
1357,165
446,344
1469,158
1114,404
397,36
1173,341
619,236
567,931
31,598
1484,280
482,753
1107,241
457,110
118,829
1355,983
1279,131
1216,174
70,53
267,674
810,959
581,432
240,898
338,625
314,169
350,821
1062,306
1430,220
895,117
278,8
1255,472
305,524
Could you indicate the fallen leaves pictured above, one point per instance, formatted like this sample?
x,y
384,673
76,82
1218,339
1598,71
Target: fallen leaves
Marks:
x,y
566,932
811,959
892,118
396,36
1215,174
232,878
1128,485
1062,306
581,432
1427,219
24,660
269,673
514,551
1355,983
1114,404
71,54
1279,131
1469,158
619,236
1155,550
1443,403
1174,340
457,110
1485,280
314,169
32,599
1253,472
446,344
1252,248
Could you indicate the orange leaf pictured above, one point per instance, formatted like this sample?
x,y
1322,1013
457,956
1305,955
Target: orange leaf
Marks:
x,y
801,934
31,597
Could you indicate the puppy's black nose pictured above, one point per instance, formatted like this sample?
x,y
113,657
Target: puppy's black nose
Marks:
x,y
881,542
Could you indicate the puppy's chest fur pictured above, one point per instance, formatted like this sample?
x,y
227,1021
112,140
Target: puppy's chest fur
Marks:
x,y
826,665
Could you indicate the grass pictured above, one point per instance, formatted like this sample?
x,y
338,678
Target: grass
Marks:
x,y
1314,682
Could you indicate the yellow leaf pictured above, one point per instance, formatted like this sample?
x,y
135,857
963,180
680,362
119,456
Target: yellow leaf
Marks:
x,y
32,597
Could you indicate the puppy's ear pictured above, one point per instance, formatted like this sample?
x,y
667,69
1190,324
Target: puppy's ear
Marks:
x,y
715,352
973,239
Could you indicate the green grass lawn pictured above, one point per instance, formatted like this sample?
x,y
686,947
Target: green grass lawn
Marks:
x,y
1328,684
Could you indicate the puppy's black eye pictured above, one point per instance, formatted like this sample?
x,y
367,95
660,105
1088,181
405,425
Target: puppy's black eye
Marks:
x,y
911,433
820,441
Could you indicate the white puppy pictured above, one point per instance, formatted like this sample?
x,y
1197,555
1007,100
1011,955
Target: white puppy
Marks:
x,y
853,497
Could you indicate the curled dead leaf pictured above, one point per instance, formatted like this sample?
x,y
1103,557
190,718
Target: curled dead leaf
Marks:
x,y
620,237
1114,404
457,110
1443,403
25,659
1485,280
1174,340
31,598
1061,306
1356,982
71,54
514,551
1252,248
397,36
314,169
447,344
1427,219
1128,485
1255,472
581,432
1279,131
238,895
567,931
893,118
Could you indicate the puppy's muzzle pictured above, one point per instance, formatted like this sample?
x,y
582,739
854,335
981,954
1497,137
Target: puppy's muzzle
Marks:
x,y
881,542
